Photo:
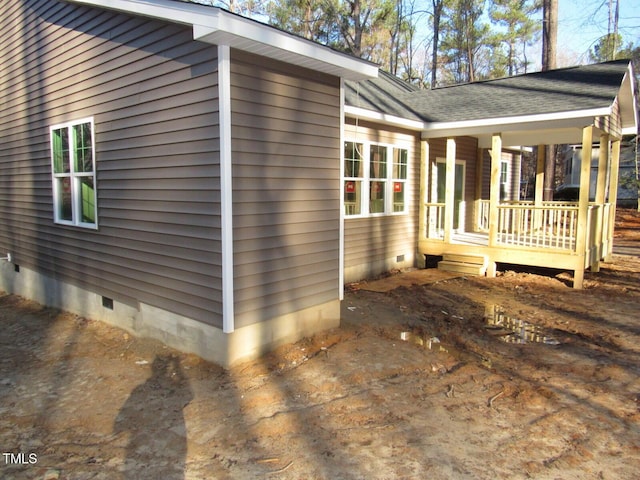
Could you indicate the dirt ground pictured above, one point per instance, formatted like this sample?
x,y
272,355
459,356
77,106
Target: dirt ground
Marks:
x,y
425,381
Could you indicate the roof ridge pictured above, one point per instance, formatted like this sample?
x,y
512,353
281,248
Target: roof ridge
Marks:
x,y
538,73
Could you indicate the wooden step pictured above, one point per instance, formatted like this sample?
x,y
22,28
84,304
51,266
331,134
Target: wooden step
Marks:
x,y
465,258
461,267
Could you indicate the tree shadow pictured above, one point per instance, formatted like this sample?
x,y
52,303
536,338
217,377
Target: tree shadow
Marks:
x,y
154,429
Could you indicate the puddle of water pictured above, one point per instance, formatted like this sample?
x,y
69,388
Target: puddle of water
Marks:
x,y
429,343
514,330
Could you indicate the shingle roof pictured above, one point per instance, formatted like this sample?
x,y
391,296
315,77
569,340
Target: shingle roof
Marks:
x,y
583,87
385,94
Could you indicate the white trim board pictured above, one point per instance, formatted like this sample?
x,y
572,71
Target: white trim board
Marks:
x,y
226,187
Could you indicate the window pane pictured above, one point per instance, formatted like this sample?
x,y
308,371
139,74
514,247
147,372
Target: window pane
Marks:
x,y
87,200
378,161
503,172
400,156
398,196
61,150
352,197
63,202
352,159
82,147
376,197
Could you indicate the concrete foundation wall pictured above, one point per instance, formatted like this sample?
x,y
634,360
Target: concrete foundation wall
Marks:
x,y
363,271
177,331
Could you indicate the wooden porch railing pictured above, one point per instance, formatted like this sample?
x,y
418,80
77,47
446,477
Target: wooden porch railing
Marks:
x,y
434,228
553,225
548,226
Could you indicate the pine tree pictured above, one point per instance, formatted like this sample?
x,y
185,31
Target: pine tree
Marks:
x,y
520,30
464,37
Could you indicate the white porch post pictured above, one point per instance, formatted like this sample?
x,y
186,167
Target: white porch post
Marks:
x,y
494,197
583,206
539,194
613,195
423,222
603,163
478,189
450,183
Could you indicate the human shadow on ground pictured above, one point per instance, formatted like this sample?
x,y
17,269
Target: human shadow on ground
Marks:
x,y
157,435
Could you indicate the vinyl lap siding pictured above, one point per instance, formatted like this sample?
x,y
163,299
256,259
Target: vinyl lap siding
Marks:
x,y
152,92
370,242
285,128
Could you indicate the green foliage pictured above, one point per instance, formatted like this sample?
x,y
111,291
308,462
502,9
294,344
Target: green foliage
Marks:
x,y
519,30
465,39
610,47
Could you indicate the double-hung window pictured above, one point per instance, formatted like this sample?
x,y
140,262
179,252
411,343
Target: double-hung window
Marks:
x,y
399,177
378,176
73,171
375,179
353,177
504,180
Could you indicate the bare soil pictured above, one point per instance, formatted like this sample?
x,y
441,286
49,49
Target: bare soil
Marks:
x,y
419,382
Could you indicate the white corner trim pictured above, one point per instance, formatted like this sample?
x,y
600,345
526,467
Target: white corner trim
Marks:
x,y
226,184
341,240
383,118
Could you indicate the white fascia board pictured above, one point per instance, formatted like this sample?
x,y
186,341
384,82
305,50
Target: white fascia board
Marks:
x,y
627,102
176,12
516,123
219,27
384,118
245,34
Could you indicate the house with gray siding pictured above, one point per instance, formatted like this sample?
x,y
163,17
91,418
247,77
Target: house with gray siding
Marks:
x,y
173,169
212,182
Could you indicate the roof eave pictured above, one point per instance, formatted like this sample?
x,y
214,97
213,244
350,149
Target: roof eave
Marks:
x,y
561,127
219,27
383,118
522,123
628,103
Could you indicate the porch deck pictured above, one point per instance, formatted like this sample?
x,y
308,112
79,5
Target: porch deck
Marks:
x,y
513,240
545,235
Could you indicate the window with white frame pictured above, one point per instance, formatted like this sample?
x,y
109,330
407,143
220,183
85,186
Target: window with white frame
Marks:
x,y
375,179
504,180
73,173
399,177
353,178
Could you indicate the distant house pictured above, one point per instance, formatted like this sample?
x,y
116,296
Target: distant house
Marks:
x,y
203,179
571,159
